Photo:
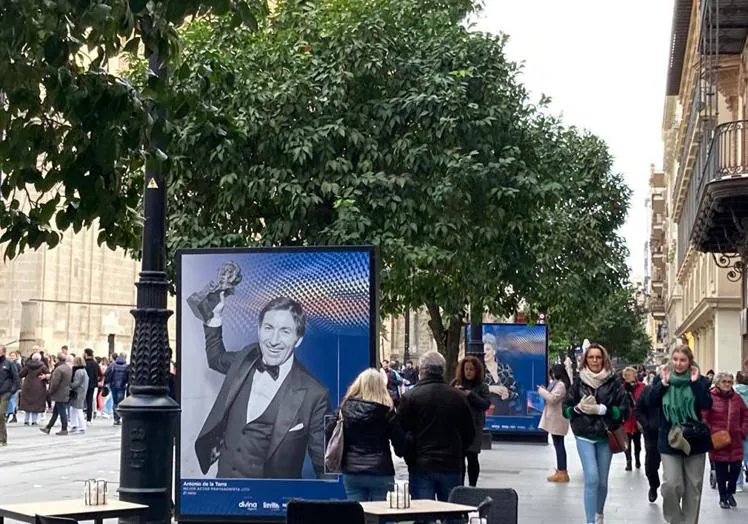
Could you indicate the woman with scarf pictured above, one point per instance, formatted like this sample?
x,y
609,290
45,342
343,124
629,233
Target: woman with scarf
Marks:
x,y
471,381
596,403
553,420
684,439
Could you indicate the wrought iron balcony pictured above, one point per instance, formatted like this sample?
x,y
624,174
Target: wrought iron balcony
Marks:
x,y
657,307
715,217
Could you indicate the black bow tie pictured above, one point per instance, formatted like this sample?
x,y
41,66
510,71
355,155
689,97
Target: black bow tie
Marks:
x,y
273,371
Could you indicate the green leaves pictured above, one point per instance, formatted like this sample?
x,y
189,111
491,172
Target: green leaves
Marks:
x,y
73,135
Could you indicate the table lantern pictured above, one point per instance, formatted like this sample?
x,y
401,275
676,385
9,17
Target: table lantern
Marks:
x,y
94,492
399,498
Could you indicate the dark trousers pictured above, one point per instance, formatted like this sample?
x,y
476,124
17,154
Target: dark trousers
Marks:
x,y
652,460
558,445
635,441
727,477
61,410
89,403
473,468
425,485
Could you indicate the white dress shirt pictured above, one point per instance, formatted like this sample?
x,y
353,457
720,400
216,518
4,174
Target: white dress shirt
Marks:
x,y
264,389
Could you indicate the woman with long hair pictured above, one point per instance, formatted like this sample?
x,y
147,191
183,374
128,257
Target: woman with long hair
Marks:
x,y
553,420
470,379
369,425
682,394
596,404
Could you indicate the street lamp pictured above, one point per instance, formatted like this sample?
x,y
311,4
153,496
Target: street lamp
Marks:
x,y
149,413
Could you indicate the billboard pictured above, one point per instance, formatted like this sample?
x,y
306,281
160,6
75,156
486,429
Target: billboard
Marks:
x,y
516,357
268,341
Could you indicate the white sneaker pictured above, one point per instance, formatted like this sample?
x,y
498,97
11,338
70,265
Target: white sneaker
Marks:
x,y
738,489
599,518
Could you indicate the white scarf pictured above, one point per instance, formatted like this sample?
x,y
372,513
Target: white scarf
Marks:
x,y
594,380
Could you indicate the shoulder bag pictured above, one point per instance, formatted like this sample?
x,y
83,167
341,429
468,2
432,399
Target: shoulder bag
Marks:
x,y
618,440
721,439
334,451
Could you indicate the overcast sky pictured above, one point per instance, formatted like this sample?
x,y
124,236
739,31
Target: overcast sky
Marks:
x,y
604,64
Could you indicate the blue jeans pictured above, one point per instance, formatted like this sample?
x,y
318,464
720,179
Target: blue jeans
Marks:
x,y
430,484
742,477
367,488
118,395
595,457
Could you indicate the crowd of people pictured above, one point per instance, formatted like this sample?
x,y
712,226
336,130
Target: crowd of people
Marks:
x,y
74,389
682,416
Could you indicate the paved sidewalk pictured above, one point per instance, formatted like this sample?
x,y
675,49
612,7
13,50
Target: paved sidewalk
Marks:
x,y
36,467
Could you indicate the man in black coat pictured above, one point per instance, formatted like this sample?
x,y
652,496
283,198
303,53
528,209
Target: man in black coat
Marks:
x,y
270,410
648,417
439,420
92,369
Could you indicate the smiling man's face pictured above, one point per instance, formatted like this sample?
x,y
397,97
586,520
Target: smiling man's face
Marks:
x,y
278,337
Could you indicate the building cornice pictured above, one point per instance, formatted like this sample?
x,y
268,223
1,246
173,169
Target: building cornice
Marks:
x,y
704,311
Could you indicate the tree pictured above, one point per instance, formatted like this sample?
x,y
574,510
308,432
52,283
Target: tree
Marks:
x,y
377,121
73,135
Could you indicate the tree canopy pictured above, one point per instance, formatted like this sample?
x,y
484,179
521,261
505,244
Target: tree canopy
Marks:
x,y
385,122
72,132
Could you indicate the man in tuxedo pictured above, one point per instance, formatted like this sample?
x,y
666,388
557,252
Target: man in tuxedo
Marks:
x,y
270,409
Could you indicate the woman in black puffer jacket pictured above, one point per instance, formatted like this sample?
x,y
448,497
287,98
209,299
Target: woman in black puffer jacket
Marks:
x,y
369,425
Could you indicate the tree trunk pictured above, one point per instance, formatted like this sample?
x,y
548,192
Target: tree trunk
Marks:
x,y
447,339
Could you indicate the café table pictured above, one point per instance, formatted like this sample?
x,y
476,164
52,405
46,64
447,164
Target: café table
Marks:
x,y
71,509
380,512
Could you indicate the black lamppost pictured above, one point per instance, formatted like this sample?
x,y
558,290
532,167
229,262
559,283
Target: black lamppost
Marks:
x,y
149,413
406,349
475,343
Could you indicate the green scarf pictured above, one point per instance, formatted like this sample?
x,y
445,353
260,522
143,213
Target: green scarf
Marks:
x,y
678,403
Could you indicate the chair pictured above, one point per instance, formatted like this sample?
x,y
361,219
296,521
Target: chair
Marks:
x,y
502,510
40,519
317,511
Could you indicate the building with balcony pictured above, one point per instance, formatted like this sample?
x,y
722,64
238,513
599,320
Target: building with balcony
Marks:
x,y
700,227
656,259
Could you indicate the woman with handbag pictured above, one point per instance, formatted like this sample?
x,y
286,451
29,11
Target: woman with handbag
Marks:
x,y
360,437
682,394
597,405
728,423
553,420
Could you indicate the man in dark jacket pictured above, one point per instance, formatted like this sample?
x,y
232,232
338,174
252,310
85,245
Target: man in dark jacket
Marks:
x,y
10,382
439,420
92,369
59,392
117,377
648,417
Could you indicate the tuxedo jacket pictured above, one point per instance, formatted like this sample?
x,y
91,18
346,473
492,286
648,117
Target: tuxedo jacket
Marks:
x,y
299,425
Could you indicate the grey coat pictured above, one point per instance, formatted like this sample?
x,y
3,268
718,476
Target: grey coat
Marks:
x,y
78,388
59,383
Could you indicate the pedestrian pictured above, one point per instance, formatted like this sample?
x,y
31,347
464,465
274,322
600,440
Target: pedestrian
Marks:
x,y
471,381
553,421
742,388
117,378
728,416
394,381
681,394
596,404
59,392
34,389
439,420
369,425
92,370
634,388
10,383
648,418
78,390
12,411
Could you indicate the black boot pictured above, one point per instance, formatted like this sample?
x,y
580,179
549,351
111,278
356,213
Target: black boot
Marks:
x,y
628,465
13,419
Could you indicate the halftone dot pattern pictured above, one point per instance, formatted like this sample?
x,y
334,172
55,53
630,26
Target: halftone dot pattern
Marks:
x,y
331,286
